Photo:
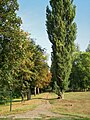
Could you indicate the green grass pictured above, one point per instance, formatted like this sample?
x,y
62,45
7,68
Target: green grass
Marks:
x,y
75,106
19,107
77,95
66,118
18,119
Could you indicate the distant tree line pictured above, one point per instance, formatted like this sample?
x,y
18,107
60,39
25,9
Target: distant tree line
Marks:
x,y
80,72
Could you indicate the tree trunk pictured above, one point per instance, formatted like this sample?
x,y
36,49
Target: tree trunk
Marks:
x,y
35,91
38,90
61,95
29,94
22,96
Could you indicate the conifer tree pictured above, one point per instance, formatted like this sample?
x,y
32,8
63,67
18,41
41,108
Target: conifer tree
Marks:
x,y
61,32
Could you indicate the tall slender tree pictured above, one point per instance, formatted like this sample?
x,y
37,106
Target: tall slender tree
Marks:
x,y
61,32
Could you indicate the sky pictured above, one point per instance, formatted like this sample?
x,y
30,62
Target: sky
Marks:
x,y
33,15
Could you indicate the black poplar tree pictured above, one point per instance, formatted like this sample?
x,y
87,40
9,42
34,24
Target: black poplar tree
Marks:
x,y
61,32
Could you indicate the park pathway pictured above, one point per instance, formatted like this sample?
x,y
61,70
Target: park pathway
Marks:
x,y
42,110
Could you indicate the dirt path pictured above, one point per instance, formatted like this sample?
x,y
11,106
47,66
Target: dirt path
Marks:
x,y
41,110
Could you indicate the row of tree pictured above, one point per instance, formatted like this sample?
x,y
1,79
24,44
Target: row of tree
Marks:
x,y
23,64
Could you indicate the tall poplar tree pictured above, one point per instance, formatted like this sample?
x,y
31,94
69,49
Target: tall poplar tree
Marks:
x,y
61,32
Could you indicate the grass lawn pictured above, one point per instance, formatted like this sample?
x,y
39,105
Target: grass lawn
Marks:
x,y
69,118
19,107
75,106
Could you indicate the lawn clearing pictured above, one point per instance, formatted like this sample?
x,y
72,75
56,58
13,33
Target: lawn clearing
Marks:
x,y
74,104
19,107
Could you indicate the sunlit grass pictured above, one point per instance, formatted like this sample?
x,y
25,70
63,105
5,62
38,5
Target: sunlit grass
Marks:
x,y
14,119
19,107
69,118
74,104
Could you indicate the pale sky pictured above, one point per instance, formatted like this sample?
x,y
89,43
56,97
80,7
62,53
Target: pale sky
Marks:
x,y
33,15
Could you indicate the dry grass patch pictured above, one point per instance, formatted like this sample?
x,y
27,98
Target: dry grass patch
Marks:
x,y
19,107
77,104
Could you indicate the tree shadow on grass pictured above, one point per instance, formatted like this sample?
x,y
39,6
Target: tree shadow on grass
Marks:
x,y
45,98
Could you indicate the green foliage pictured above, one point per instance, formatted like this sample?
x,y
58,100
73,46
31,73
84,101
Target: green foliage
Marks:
x,y
61,32
23,64
40,68
77,48
80,75
10,41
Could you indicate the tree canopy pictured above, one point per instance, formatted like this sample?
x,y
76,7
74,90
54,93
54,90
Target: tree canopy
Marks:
x,y
80,74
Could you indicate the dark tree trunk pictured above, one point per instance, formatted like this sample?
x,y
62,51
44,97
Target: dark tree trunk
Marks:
x,y
29,94
61,94
22,96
